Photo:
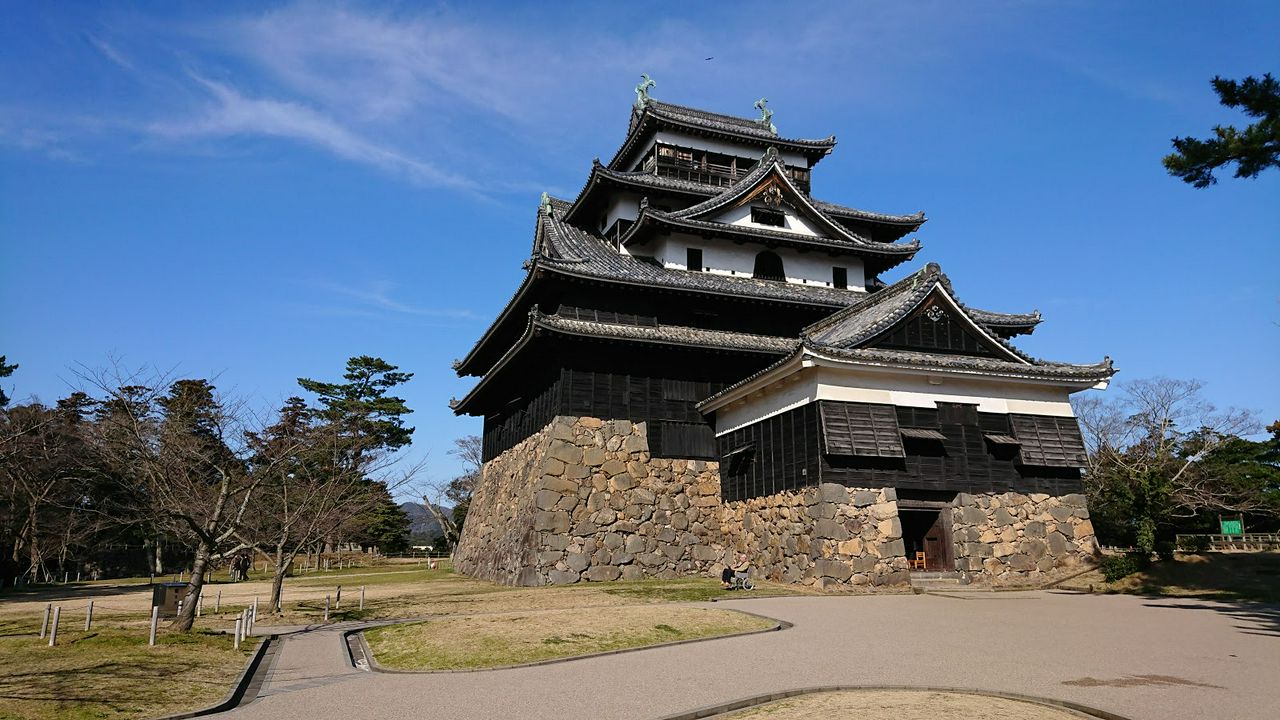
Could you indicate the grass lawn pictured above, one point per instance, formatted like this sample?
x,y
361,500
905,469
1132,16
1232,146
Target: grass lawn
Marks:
x,y
110,672
487,641
1212,576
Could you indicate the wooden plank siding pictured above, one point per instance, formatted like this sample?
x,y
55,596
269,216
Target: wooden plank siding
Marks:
x,y
788,454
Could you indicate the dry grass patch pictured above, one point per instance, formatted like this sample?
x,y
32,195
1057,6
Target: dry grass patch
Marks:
x,y
901,705
516,638
1212,576
110,672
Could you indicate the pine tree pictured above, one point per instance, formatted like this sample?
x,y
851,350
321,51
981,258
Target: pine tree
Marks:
x,y
1253,149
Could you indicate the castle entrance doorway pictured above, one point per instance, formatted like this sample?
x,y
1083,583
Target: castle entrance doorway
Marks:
x,y
927,531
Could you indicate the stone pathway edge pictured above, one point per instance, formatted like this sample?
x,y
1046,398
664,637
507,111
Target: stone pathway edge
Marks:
x,y
246,685
744,703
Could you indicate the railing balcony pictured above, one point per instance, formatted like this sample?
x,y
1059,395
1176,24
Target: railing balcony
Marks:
x,y
709,173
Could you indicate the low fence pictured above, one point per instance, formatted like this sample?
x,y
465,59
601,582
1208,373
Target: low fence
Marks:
x,y
1226,543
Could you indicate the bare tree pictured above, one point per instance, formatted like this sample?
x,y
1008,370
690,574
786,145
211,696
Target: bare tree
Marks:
x,y
458,491
1145,451
184,447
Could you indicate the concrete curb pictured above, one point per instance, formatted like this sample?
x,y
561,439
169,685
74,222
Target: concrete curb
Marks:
x,y
376,667
717,710
247,684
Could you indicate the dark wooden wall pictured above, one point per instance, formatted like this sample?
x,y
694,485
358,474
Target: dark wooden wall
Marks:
x,y
943,335
788,454
616,381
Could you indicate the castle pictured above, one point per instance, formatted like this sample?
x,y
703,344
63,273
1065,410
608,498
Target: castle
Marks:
x,y
703,360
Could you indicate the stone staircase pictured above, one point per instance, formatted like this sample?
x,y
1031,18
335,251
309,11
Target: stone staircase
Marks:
x,y
944,582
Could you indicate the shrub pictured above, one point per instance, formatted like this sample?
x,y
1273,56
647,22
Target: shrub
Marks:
x,y
1164,550
1194,544
1115,567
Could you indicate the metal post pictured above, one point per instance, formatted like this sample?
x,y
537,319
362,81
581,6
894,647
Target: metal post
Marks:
x,y
236,642
44,624
326,608
155,621
255,608
53,632
362,597
88,617
217,603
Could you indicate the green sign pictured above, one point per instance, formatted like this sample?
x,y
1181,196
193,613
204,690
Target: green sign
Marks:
x,y
1232,527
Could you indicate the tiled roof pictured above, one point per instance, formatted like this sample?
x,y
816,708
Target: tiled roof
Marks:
x,y
668,334
734,127
849,243
913,220
659,334
1040,369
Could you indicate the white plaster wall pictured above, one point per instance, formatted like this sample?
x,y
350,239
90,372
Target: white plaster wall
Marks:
x,y
624,205
729,258
902,389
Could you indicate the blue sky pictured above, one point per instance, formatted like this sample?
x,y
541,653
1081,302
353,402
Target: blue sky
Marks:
x,y
256,192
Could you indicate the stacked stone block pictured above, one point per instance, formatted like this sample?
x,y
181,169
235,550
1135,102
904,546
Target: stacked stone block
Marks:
x,y
1017,538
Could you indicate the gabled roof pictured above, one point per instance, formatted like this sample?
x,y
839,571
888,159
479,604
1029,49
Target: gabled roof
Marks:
x,y
672,335
887,226
875,315
848,337
770,172
702,122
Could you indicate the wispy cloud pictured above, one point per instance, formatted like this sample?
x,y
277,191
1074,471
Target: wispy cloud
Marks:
x,y
110,53
377,300
231,113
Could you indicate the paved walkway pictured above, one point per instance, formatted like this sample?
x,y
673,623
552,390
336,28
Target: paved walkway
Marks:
x,y
1142,658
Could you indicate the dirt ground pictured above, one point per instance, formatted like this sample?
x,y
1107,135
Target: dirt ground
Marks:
x,y
901,705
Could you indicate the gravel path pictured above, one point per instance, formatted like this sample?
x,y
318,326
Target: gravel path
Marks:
x,y
1139,657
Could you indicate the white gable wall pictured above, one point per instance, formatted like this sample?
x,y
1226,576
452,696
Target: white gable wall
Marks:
x,y
741,215
725,257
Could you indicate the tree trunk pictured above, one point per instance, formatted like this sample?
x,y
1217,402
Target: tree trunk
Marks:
x,y
187,617
282,564
158,569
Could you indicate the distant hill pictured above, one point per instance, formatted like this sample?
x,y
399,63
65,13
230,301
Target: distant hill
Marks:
x,y
421,523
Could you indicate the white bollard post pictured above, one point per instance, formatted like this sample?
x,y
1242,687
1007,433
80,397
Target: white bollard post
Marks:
x,y
217,603
255,608
236,642
326,608
362,597
155,622
65,574
88,617
77,576
200,605
337,601
44,624
53,632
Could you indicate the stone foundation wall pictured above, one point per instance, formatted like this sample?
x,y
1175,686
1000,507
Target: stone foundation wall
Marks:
x,y
1021,539
828,535
583,500
595,506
